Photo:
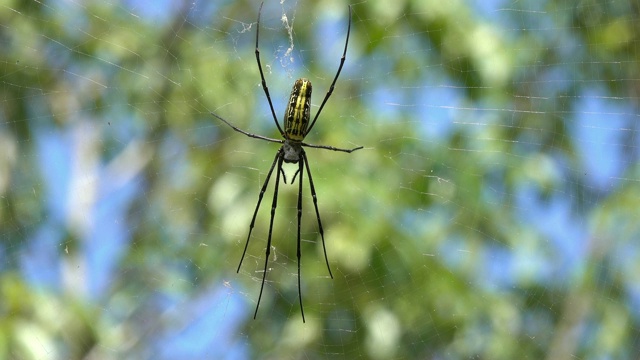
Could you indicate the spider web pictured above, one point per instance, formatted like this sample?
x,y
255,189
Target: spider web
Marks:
x,y
491,214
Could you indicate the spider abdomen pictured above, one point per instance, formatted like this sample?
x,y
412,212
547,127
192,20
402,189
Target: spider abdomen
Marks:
x,y
296,117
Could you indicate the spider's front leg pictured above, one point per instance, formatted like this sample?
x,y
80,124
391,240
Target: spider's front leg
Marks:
x,y
315,204
279,158
299,252
255,212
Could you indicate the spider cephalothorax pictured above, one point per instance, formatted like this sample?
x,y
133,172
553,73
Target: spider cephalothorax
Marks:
x,y
292,150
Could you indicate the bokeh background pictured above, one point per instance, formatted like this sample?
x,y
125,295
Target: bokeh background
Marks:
x,y
492,214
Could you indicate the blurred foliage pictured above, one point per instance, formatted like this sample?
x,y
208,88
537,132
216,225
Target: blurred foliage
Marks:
x,y
433,252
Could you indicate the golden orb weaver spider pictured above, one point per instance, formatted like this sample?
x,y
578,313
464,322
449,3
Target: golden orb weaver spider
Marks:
x,y
296,128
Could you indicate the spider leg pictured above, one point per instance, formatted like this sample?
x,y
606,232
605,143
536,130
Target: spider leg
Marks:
x,y
247,133
255,213
344,56
315,204
264,82
279,157
299,253
331,148
294,175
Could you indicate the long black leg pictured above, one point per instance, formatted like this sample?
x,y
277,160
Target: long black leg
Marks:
x,y
247,133
315,204
264,82
299,253
326,147
253,220
280,157
326,97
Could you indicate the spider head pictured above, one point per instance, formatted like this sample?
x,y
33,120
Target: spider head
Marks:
x,y
292,151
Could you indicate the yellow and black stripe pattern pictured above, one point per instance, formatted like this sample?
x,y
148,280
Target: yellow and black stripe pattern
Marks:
x,y
296,117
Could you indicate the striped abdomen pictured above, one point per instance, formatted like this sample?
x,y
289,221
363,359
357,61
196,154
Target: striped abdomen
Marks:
x,y
296,118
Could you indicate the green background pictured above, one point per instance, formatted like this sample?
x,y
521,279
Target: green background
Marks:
x,y
492,213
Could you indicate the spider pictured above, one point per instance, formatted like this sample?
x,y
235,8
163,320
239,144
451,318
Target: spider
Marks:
x,y
296,128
